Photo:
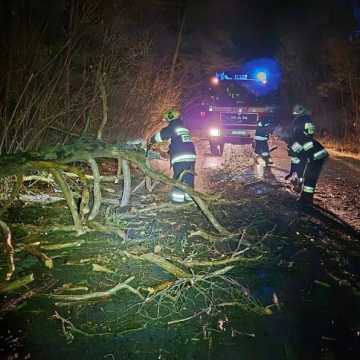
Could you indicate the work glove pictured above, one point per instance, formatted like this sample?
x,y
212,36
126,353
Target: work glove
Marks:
x,y
297,184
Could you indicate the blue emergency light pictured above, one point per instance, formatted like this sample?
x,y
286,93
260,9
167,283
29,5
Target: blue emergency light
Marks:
x,y
267,73
260,76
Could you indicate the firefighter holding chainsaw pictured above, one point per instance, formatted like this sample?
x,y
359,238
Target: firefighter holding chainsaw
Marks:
x,y
307,154
182,152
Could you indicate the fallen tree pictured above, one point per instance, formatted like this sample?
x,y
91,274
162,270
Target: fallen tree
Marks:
x,y
60,158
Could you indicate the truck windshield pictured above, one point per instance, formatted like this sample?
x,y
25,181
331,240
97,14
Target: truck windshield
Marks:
x,y
234,94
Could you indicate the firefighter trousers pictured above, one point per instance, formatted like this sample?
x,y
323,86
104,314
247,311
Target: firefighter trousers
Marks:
x,y
183,171
311,175
262,148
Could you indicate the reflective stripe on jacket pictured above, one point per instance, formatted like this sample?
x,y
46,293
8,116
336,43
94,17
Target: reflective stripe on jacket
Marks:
x,y
181,144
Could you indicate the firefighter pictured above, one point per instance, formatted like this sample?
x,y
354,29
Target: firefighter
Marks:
x,y
182,152
264,128
307,154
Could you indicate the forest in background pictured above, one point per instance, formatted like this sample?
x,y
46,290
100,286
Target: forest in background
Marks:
x,y
320,60
61,61
68,64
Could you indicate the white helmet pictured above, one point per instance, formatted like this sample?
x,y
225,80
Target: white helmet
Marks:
x,y
299,110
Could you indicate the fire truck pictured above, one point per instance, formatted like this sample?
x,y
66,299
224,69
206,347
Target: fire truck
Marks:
x,y
230,111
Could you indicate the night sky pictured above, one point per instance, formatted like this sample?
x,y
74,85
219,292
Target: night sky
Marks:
x,y
242,28
255,27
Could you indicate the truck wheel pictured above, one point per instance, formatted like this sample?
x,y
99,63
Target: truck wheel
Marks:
x,y
214,148
221,149
217,149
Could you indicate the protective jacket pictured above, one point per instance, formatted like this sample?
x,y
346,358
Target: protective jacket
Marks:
x,y
308,151
307,154
302,146
181,145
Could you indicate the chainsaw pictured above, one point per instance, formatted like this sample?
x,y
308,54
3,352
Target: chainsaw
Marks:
x,y
296,183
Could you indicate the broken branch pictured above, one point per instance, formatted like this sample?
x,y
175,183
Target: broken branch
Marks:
x,y
96,188
68,197
127,183
99,295
163,263
40,255
217,262
16,284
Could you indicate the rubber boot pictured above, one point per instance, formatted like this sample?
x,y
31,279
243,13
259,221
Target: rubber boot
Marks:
x,y
177,196
259,167
306,198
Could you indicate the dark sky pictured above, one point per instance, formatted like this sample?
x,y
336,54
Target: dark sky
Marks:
x,y
240,28
256,26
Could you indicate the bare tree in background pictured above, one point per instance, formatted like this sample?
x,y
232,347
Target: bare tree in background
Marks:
x,y
56,91
342,87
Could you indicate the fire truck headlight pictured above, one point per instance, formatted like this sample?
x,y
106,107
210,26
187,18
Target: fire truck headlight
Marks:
x,y
215,80
214,132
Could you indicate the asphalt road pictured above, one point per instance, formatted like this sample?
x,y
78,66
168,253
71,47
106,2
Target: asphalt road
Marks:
x,y
338,189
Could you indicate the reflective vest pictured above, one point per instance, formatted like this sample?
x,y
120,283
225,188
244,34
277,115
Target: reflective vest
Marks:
x,y
181,144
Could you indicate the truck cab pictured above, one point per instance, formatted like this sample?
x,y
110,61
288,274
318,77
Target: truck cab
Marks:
x,y
230,115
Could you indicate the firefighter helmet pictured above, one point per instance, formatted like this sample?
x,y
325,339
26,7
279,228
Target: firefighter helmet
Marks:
x,y
171,115
299,110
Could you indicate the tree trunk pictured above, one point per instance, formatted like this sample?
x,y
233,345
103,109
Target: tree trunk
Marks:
x,y
178,44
